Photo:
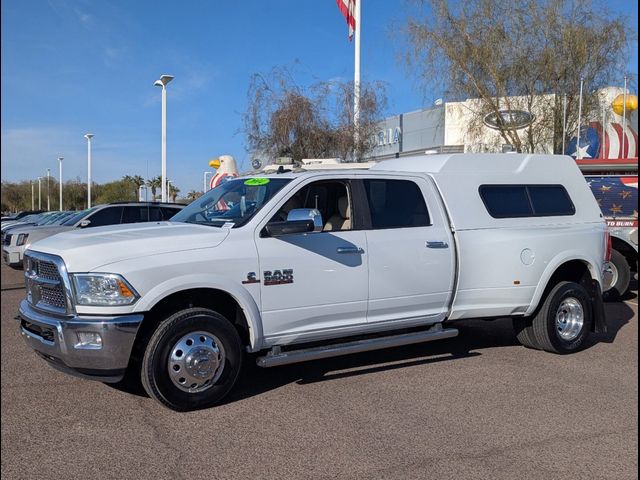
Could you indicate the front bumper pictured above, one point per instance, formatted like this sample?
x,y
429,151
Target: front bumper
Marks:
x,y
56,340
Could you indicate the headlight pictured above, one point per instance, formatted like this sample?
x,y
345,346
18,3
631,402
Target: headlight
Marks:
x,y
22,239
102,290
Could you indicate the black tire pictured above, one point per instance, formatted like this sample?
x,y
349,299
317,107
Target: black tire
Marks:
x,y
155,375
524,332
546,331
623,274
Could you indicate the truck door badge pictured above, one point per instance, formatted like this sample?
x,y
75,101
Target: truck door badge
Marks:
x,y
278,277
251,278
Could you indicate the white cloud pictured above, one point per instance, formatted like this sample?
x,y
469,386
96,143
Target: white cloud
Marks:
x,y
85,19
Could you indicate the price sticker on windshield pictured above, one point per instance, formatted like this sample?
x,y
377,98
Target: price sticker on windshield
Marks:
x,y
256,182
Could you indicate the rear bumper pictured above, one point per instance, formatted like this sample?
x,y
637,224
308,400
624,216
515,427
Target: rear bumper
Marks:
x,y
56,339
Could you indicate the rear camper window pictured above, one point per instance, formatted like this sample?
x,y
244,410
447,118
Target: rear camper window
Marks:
x,y
516,201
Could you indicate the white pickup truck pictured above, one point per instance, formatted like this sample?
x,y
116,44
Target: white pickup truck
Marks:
x,y
300,265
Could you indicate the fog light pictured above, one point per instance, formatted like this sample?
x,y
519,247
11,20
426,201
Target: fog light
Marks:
x,y
89,341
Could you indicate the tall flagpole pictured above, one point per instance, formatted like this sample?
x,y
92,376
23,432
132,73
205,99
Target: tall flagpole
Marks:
x,y
356,76
624,119
564,120
603,141
578,154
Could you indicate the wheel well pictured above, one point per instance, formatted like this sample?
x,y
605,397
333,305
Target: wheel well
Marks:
x,y
626,250
214,299
572,271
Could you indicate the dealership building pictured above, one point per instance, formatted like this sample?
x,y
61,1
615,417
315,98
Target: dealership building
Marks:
x,y
455,127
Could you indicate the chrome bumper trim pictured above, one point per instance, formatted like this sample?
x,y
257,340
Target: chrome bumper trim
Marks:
x,y
55,339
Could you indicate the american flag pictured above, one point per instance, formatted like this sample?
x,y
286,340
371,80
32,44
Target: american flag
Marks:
x,y
347,8
617,197
614,136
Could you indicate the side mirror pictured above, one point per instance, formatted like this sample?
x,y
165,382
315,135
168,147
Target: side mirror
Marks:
x,y
85,223
300,220
313,214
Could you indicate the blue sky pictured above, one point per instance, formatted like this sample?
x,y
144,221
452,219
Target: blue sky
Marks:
x,y
75,66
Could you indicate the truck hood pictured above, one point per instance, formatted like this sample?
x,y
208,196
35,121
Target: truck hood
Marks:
x,y
84,250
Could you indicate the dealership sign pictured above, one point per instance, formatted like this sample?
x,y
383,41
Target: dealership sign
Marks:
x,y
388,137
509,119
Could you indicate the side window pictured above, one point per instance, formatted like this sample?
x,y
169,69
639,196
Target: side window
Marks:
x,y
514,201
134,214
550,200
106,216
168,212
154,214
505,201
332,198
396,204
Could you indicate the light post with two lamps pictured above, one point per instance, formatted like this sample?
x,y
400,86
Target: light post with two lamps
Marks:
x,y
39,193
48,190
164,80
60,180
89,136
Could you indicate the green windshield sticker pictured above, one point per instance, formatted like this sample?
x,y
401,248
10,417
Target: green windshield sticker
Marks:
x,y
254,182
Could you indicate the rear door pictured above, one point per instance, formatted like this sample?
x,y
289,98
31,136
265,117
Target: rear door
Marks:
x,y
410,250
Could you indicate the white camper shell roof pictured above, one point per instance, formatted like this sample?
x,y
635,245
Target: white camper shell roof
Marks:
x,y
459,177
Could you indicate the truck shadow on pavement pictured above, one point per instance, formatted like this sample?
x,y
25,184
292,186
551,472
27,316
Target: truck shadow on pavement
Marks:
x,y
475,335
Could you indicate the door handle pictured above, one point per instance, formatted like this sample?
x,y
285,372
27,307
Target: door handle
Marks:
x,y
349,250
437,244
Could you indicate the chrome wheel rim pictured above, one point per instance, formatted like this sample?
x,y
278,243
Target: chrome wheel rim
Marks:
x,y
612,270
196,361
569,319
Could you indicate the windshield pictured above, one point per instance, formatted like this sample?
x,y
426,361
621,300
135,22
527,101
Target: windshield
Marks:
x,y
48,218
31,218
76,217
234,201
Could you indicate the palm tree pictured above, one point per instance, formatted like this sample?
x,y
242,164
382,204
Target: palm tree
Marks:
x,y
134,180
173,192
154,184
193,194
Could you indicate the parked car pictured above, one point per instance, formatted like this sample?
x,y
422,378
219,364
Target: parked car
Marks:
x,y
18,216
111,214
293,265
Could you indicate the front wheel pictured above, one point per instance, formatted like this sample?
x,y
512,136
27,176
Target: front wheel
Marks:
x,y
192,361
563,322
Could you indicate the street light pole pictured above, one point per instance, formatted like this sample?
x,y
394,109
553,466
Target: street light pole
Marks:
x,y
48,190
39,192
164,80
60,180
32,196
89,136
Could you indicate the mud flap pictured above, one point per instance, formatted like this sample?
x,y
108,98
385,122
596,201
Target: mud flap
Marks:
x,y
599,324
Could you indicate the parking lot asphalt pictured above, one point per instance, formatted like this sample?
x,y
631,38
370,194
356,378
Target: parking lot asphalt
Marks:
x,y
476,406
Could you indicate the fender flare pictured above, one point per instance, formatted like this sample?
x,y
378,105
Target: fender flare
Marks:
x,y
210,281
551,268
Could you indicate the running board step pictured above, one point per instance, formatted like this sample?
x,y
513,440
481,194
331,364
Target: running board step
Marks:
x,y
276,357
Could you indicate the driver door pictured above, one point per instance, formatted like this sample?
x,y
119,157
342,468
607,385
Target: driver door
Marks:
x,y
314,283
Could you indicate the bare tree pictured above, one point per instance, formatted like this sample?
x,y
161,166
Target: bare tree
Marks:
x,y
283,119
520,55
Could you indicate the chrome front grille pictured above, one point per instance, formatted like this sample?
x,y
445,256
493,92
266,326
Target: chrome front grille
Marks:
x,y
46,282
53,296
47,270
